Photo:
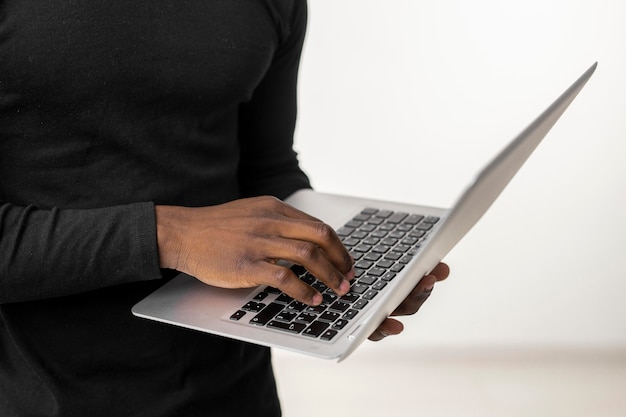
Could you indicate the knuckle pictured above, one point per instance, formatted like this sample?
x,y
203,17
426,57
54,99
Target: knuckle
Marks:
x,y
306,250
242,264
270,201
324,231
282,277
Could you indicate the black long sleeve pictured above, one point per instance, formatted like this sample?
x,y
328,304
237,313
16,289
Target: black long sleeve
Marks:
x,y
50,253
106,109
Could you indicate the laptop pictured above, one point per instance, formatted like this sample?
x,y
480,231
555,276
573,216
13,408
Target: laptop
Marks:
x,y
394,246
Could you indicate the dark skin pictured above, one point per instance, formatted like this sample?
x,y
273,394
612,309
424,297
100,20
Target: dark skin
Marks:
x,y
238,244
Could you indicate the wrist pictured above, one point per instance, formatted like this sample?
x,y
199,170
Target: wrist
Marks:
x,y
167,241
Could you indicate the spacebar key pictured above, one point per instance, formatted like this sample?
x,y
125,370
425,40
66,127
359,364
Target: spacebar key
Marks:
x,y
287,327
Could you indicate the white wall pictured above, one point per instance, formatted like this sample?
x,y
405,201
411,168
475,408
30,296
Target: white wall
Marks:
x,y
424,92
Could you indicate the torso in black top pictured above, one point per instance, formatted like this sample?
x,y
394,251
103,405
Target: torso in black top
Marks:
x,y
105,109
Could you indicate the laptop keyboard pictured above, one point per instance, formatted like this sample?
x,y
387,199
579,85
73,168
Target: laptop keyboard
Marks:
x,y
382,242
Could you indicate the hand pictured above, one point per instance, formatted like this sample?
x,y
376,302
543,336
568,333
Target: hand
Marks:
x,y
238,245
412,303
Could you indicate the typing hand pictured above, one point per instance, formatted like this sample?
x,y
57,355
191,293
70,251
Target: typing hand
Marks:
x,y
238,244
412,303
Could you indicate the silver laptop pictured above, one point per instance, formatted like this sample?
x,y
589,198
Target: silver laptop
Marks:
x,y
394,245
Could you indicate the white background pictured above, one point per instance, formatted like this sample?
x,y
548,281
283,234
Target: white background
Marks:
x,y
406,99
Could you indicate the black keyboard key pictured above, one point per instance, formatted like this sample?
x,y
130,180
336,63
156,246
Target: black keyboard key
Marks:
x,y
369,295
345,231
377,272
284,299
350,241
362,217
339,306
286,316
316,328
363,248
384,213
260,296
379,233
389,241
253,306
358,272
397,217
354,224
406,259
424,226
356,255
329,316
413,219
286,327
308,279
372,256
401,248
385,263
298,269
358,288
359,234
329,297
388,276
350,314
363,264
306,317
375,221
328,334
272,290
379,285
237,315
393,256
367,280
381,248
296,306
359,305
315,309
387,227
266,314
340,324
350,297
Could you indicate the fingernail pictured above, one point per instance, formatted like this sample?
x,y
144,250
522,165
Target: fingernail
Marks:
x,y
317,299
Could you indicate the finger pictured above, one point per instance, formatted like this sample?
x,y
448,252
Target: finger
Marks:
x,y
323,236
387,328
441,271
299,225
417,297
287,281
313,259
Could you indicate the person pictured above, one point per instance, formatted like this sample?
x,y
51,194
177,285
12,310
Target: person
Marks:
x,y
138,139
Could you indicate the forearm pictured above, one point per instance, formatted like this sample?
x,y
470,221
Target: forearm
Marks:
x,y
50,253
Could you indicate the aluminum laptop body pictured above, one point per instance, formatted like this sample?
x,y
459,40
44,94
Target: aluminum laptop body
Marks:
x,y
185,301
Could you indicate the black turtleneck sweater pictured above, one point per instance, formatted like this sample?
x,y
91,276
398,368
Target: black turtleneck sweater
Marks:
x,y
107,108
